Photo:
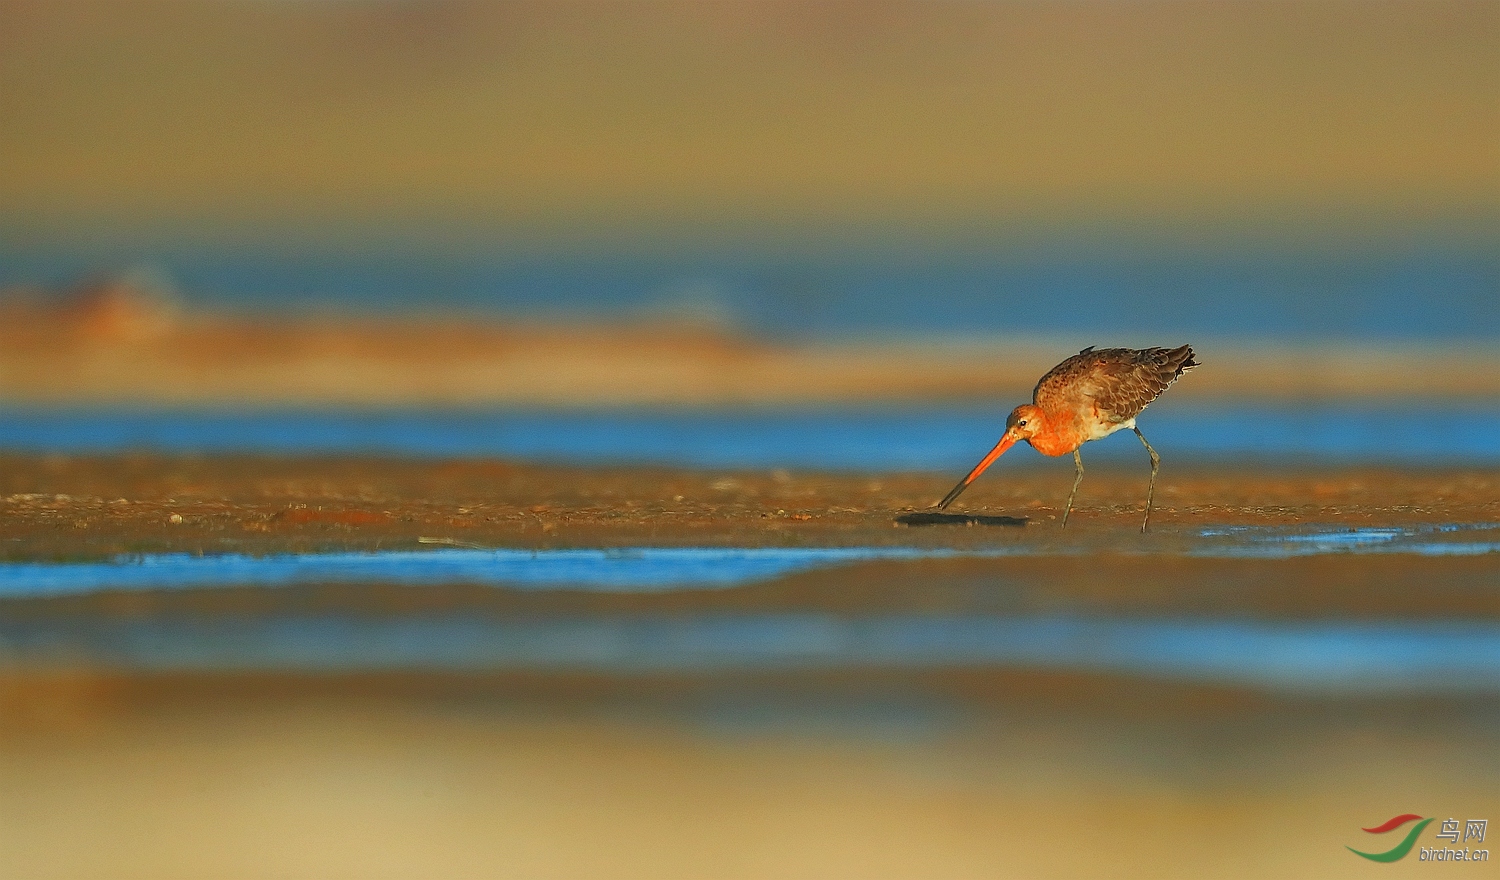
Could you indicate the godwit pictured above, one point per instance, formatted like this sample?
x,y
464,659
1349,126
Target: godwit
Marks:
x,y
1090,395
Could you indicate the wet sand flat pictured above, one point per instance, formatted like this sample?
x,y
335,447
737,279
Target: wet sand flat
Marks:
x,y
55,507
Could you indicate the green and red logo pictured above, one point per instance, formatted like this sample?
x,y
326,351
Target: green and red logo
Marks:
x,y
1400,849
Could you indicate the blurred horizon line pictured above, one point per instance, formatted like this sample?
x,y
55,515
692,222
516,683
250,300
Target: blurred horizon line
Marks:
x,y
1093,229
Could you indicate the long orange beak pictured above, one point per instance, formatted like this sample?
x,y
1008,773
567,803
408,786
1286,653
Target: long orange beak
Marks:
x,y
1005,443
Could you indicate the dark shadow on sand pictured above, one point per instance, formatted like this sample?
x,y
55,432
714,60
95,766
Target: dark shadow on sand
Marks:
x,y
933,518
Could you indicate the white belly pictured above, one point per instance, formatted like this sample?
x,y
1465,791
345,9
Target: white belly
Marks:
x,y
1100,430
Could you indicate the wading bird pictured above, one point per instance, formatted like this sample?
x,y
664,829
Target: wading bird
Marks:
x,y
1088,396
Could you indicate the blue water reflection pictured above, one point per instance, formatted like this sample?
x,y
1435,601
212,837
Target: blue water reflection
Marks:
x,y
660,569
644,570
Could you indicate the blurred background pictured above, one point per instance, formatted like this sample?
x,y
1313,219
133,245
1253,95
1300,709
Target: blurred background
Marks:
x,y
842,237
432,205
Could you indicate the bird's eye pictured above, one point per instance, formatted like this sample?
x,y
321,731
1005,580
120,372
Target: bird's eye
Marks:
x,y
1021,423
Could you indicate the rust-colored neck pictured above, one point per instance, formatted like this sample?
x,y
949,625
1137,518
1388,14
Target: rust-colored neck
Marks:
x,y
1060,434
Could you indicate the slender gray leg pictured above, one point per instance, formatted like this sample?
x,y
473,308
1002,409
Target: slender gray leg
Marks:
x,y
1078,465
1151,489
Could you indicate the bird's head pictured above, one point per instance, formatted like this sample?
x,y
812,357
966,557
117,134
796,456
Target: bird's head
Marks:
x,y
1023,423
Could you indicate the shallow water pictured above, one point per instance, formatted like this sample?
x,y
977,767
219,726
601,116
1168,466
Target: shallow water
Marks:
x,y
946,438
1469,539
659,569
646,570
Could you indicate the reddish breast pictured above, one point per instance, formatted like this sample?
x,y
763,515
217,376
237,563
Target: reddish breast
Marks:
x,y
1061,434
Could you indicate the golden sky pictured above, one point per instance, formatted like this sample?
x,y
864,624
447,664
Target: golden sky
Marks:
x,y
632,116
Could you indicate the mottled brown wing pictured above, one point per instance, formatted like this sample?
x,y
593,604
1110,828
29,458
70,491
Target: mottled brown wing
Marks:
x,y
1120,381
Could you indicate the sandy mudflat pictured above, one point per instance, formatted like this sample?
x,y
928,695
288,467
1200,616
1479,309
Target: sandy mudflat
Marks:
x,y
75,507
